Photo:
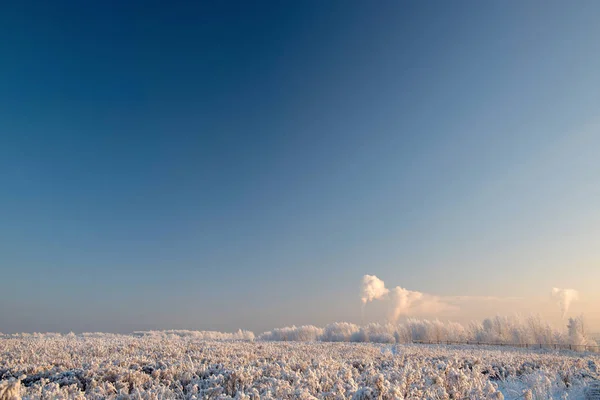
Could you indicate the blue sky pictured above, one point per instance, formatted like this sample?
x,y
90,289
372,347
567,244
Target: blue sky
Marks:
x,y
237,165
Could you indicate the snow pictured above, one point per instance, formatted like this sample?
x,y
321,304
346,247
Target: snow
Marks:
x,y
187,365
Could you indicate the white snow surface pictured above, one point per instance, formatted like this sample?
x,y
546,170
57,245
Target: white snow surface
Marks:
x,y
184,365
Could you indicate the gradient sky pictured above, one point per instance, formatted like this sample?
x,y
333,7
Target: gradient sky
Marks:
x,y
244,164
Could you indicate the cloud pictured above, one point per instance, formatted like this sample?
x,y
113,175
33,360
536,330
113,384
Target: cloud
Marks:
x,y
409,302
373,288
403,302
564,298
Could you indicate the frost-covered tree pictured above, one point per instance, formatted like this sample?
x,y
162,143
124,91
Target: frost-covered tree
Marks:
x,y
577,333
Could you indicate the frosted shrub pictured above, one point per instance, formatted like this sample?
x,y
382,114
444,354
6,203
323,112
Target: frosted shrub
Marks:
x,y
202,335
339,332
375,333
307,333
513,330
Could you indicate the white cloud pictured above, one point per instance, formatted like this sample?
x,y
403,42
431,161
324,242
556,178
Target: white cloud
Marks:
x,y
403,302
373,288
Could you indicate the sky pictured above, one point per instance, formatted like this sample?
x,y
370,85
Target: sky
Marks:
x,y
225,165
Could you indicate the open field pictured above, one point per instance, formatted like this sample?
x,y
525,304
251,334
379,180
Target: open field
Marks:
x,y
107,366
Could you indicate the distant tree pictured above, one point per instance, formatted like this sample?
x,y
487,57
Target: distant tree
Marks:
x,y
577,333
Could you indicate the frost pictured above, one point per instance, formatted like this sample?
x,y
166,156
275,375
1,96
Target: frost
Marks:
x,y
517,331
187,365
10,390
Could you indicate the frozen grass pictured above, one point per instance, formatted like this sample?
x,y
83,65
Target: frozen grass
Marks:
x,y
176,366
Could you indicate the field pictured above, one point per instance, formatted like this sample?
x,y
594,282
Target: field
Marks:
x,y
169,366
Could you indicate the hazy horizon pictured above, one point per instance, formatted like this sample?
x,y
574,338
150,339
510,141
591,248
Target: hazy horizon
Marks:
x,y
215,166
398,305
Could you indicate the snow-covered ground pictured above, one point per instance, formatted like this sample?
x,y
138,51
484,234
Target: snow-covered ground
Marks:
x,y
176,366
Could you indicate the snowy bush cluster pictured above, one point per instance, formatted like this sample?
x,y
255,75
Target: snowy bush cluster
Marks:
x,y
203,335
185,366
498,330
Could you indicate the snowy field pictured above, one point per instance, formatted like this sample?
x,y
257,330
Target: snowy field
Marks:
x,y
168,366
